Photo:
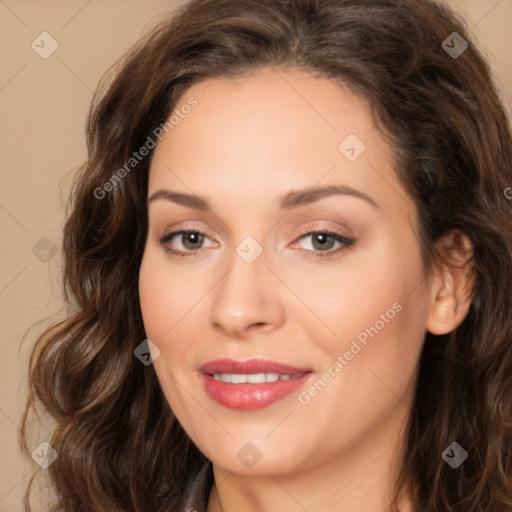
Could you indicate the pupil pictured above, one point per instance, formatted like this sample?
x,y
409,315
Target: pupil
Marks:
x,y
192,238
322,238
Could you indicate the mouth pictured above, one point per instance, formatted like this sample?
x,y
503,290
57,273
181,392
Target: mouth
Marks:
x,y
250,385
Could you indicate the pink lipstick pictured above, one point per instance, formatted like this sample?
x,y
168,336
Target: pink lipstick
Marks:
x,y
250,385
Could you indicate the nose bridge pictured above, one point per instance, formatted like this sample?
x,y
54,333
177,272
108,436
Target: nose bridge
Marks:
x,y
245,296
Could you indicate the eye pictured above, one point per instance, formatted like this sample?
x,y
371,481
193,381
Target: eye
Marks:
x,y
323,242
190,239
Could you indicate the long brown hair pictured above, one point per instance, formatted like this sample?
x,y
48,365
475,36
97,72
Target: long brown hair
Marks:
x,y
120,447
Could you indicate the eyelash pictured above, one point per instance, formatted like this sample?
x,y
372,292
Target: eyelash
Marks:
x,y
347,243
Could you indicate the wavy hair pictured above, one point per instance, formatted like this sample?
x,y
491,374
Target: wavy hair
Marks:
x,y
120,446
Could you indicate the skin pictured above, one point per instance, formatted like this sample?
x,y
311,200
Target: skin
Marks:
x,y
247,142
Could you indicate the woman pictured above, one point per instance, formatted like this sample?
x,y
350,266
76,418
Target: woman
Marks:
x,y
289,261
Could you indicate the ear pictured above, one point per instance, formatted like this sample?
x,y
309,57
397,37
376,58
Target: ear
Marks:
x,y
452,285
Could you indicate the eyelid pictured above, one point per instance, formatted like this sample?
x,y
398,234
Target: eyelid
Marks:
x,y
181,227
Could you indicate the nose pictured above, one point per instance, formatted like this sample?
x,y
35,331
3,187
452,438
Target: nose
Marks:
x,y
247,299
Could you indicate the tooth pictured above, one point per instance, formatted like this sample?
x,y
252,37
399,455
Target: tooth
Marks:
x,y
256,378
253,378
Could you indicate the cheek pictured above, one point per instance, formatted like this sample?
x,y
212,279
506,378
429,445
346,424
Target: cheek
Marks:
x,y
163,304
379,318
165,296
350,296
168,301
153,301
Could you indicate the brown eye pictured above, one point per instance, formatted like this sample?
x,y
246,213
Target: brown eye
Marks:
x,y
192,239
323,243
183,243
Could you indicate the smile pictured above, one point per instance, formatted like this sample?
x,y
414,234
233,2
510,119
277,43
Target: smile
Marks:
x,y
250,385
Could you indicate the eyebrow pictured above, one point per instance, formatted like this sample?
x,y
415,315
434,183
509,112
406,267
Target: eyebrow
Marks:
x,y
289,201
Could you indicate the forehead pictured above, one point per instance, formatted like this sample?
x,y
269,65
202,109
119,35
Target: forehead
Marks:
x,y
269,131
269,112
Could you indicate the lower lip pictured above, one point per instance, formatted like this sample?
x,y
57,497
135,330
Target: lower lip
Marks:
x,y
249,397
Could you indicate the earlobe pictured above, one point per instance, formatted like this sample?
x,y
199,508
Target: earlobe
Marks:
x,y
452,286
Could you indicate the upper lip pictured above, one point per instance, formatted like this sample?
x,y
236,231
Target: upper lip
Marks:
x,y
250,366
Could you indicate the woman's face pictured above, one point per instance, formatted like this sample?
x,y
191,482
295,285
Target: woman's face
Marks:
x,y
338,317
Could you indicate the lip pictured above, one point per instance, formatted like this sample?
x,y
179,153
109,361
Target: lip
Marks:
x,y
250,366
249,397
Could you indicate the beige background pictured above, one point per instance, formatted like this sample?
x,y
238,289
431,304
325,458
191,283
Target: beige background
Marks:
x,y
43,107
